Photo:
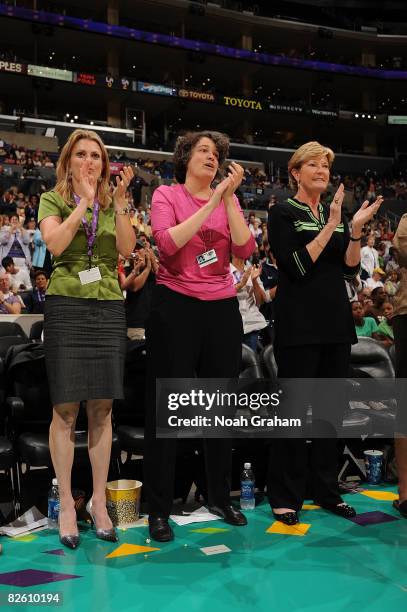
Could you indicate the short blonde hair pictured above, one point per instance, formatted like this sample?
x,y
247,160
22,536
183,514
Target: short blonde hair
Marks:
x,y
64,183
307,151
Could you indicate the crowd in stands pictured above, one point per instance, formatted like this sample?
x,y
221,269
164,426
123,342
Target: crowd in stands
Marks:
x,y
21,156
363,187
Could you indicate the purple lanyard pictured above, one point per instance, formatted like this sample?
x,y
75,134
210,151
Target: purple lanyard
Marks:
x,y
40,296
90,230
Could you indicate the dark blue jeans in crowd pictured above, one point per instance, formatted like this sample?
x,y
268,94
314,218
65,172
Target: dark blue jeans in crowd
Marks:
x,y
251,339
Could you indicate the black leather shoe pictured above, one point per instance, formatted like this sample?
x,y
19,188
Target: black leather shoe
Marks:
x,y
160,529
288,518
229,514
340,509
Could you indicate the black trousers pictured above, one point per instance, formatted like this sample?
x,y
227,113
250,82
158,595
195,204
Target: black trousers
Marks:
x,y
187,337
400,342
289,464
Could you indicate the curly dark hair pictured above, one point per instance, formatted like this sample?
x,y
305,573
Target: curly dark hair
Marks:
x,y
185,144
40,273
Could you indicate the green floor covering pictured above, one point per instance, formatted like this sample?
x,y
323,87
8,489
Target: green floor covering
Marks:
x,y
337,565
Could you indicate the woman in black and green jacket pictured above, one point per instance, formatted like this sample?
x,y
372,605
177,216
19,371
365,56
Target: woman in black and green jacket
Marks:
x,y
315,254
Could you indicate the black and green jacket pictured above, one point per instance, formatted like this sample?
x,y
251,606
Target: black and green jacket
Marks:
x,y
311,304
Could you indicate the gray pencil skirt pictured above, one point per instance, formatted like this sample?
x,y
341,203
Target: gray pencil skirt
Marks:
x,y
85,343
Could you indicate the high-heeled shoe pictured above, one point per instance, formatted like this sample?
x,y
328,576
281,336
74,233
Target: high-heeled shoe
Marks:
x,y
103,534
71,540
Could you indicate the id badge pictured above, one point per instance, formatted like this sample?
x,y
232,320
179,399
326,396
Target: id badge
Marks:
x,y
90,276
207,258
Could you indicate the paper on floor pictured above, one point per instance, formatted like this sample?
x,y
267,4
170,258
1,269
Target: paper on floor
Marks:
x,y
200,515
28,522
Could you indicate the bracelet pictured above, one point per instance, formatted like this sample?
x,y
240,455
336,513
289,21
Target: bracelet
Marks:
x,y
122,211
355,239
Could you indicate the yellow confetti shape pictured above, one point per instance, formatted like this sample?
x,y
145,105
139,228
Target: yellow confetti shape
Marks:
x,y
129,549
209,530
310,507
26,538
380,495
300,529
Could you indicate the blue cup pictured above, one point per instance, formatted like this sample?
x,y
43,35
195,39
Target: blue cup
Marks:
x,y
374,463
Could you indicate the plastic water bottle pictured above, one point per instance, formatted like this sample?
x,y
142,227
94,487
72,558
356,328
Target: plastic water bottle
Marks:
x,y
53,504
247,501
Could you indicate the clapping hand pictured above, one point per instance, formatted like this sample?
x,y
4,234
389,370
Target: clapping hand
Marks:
x,y
236,173
335,208
88,183
246,275
220,190
365,214
153,259
122,182
256,271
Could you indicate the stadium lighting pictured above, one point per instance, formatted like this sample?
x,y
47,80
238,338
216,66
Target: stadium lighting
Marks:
x,y
356,116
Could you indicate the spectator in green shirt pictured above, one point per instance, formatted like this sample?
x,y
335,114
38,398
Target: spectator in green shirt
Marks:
x,y
84,227
365,326
385,328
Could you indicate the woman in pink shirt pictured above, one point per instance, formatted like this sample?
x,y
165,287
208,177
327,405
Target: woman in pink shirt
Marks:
x,y
195,327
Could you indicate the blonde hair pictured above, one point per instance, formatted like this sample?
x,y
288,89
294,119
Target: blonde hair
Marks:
x,y
64,183
307,151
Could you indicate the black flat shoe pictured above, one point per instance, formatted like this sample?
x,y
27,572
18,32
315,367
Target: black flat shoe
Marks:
x,y
159,529
229,514
401,507
288,518
343,510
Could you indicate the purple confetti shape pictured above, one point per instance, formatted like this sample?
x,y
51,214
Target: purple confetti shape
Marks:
x,y
373,518
32,577
58,551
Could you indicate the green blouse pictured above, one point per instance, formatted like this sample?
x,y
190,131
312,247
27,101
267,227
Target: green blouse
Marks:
x,y
65,268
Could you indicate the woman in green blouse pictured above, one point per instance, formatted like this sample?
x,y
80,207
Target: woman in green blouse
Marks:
x,y
84,227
